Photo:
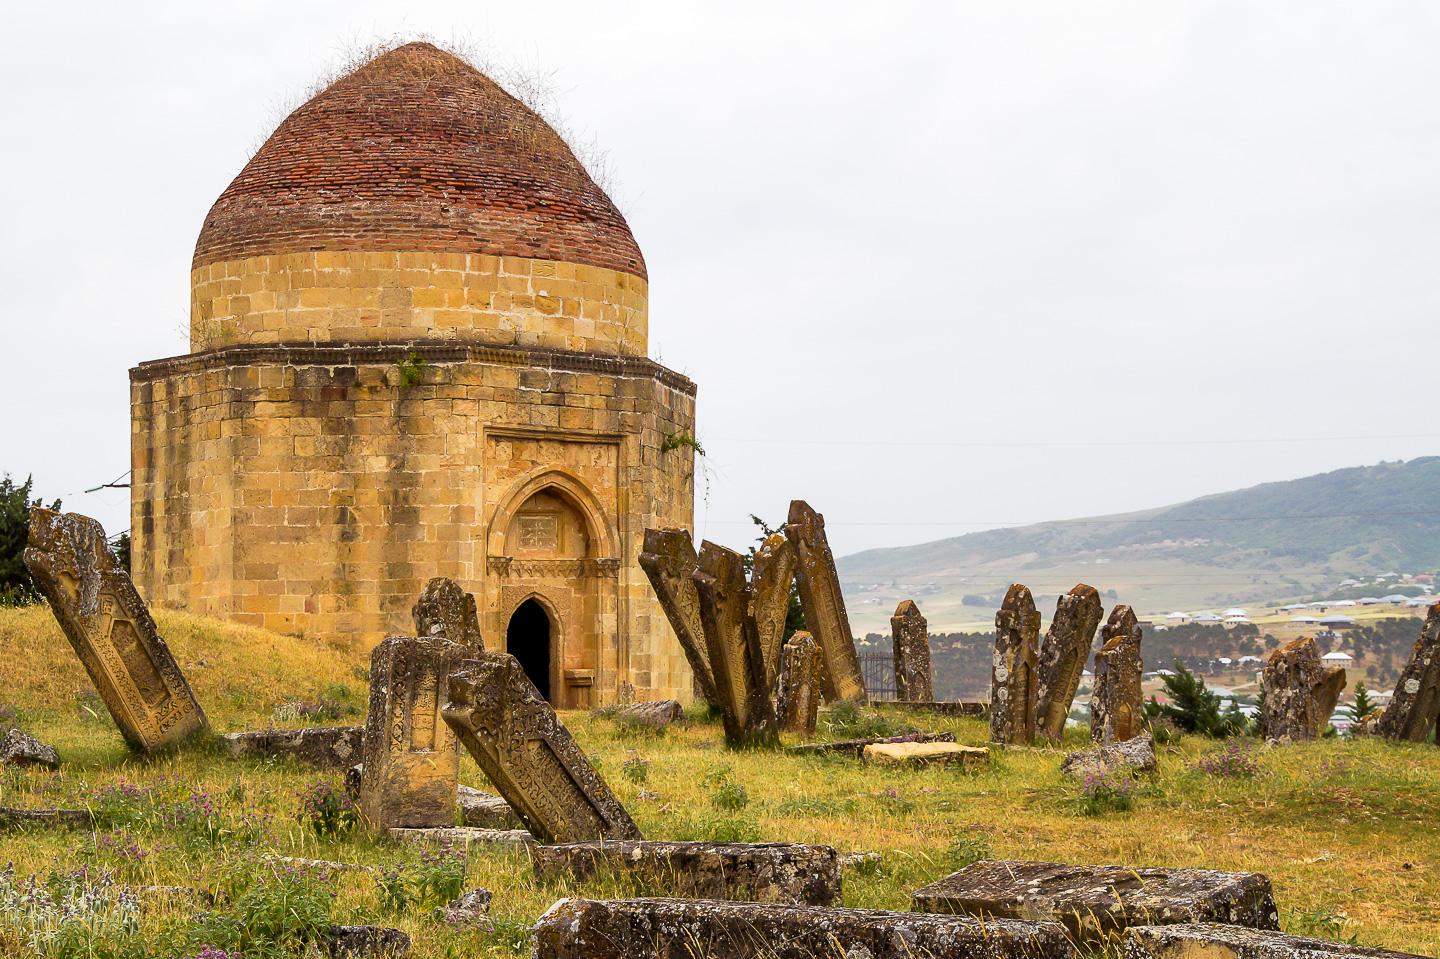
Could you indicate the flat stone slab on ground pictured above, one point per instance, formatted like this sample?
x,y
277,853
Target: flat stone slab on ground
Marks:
x,y
959,707
1131,756
19,748
1097,902
59,818
675,928
326,746
365,942
1205,940
485,810
856,747
657,713
926,754
463,837
752,872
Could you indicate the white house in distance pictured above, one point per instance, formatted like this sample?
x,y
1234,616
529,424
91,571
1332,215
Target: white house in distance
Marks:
x,y
1337,658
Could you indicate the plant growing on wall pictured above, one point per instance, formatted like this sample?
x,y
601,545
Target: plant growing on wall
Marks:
x,y
411,368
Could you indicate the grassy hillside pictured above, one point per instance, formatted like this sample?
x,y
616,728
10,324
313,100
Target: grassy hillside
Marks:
x,y
1273,541
1346,829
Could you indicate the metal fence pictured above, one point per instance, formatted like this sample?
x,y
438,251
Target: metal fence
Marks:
x,y
879,672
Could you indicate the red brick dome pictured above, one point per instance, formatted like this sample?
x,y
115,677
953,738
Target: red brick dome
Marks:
x,y
417,151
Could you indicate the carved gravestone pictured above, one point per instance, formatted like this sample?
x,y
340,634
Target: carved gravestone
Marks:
x,y
532,760
1097,903
1063,656
733,643
910,637
110,628
1219,940
412,761
1300,692
771,575
444,609
1415,707
1012,671
823,604
1117,704
669,561
798,701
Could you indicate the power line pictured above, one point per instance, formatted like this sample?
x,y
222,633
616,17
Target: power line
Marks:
x,y
1158,520
1008,444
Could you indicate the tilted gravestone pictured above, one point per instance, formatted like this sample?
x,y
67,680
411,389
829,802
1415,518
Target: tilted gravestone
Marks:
x,y
1063,655
1213,940
412,761
675,928
669,560
824,606
1415,707
1012,671
910,640
1096,903
1117,706
733,642
750,872
111,631
798,701
771,575
529,756
445,609
1299,692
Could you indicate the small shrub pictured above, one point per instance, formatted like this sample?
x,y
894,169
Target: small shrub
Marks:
x,y
440,875
847,720
1234,760
730,796
411,369
326,810
966,849
816,807
1107,792
394,888
636,770
893,802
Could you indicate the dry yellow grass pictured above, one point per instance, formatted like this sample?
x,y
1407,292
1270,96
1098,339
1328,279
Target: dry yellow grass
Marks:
x,y
1347,830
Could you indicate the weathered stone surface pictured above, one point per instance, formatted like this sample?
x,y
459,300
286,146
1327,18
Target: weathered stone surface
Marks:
x,y
798,698
910,639
1063,655
323,866
1131,756
353,777
1117,706
684,928
326,746
470,909
859,860
1095,903
824,605
59,818
926,754
856,747
752,872
484,810
660,713
365,942
1208,940
1013,669
110,628
412,760
733,642
19,748
771,575
520,744
1300,692
957,707
669,561
463,837
446,610
1415,707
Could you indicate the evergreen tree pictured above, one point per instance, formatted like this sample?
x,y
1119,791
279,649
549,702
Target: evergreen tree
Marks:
x,y
1194,708
1363,706
16,587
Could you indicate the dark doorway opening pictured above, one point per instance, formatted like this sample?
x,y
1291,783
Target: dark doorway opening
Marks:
x,y
528,640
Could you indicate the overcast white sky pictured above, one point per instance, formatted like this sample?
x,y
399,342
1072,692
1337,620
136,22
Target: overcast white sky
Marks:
x,y
935,267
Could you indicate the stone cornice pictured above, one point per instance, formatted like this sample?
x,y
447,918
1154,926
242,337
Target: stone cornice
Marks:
x,y
430,351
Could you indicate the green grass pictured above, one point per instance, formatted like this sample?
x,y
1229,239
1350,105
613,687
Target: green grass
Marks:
x,y
1345,829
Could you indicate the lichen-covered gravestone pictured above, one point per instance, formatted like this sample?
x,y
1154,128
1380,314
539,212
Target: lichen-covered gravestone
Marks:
x,y
1096,903
798,700
412,761
1012,671
772,574
1415,707
529,756
823,604
1063,655
110,628
1211,940
669,560
1117,706
1300,692
910,638
733,642
444,609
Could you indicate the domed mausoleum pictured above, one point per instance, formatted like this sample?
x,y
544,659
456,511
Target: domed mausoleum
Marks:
x,y
418,344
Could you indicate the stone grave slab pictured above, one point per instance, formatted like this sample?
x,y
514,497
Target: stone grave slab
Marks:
x,y
1063,656
927,754
1414,708
445,609
824,605
733,642
485,810
462,837
1300,692
1205,940
771,575
1117,706
856,747
910,642
797,698
1130,757
326,746
1013,668
669,561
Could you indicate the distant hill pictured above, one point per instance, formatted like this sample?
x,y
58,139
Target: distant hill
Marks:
x,y
1272,541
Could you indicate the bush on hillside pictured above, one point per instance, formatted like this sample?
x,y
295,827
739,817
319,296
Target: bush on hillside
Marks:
x,y
1195,708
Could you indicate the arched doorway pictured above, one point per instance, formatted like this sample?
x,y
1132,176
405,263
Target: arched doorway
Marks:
x,y
528,639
